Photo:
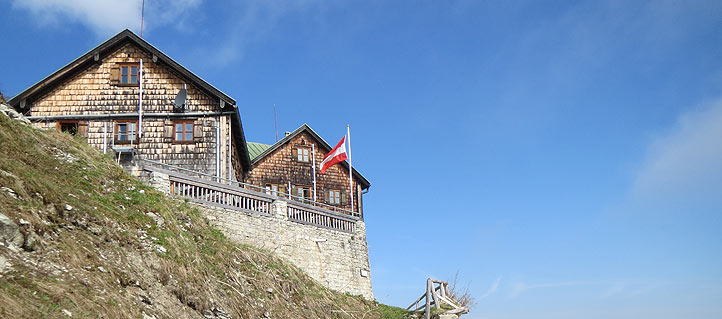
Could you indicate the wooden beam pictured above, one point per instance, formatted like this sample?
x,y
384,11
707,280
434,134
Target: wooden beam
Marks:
x,y
415,302
427,313
437,301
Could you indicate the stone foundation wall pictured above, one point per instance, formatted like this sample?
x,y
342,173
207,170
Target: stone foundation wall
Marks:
x,y
338,260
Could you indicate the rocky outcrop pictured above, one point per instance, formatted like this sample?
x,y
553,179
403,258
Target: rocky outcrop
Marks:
x,y
11,113
10,235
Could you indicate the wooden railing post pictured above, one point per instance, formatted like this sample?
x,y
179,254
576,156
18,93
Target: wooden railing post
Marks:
x,y
427,312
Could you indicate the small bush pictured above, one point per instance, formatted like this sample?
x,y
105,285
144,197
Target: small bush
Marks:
x,y
459,294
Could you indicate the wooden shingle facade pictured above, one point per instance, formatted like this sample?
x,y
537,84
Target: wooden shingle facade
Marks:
x,y
287,167
97,96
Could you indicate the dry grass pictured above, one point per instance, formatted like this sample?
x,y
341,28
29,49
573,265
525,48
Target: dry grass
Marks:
x,y
102,257
461,294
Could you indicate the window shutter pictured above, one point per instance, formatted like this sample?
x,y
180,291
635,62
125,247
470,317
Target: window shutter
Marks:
x,y
83,129
325,197
344,200
294,152
114,75
168,131
197,131
282,189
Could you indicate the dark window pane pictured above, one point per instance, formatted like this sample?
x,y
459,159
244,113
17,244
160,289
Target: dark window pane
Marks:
x,y
189,127
133,79
179,127
189,136
124,70
178,136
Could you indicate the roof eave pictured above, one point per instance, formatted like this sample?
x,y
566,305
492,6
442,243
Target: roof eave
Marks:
x,y
241,143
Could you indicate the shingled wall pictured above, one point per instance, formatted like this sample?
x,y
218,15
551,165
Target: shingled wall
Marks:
x,y
92,92
282,166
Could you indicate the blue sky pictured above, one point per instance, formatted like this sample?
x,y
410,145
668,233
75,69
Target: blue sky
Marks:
x,y
565,158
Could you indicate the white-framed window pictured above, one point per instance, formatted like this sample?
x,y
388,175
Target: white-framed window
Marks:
x,y
304,193
334,197
273,189
303,154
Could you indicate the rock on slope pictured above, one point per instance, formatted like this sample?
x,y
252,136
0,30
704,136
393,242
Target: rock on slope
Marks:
x,y
80,238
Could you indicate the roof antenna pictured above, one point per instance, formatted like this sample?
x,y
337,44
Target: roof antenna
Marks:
x,y
142,12
275,120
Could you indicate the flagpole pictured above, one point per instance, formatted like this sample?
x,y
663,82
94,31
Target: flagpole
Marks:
x,y
313,164
350,169
140,100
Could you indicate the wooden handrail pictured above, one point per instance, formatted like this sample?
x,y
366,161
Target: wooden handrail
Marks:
x,y
434,296
299,214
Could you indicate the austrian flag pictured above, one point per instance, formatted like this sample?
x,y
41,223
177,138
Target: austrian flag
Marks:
x,y
335,156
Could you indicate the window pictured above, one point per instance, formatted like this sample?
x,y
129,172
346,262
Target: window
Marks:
x,y
334,197
69,127
183,131
128,74
125,132
273,189
303,154
304,193
73,127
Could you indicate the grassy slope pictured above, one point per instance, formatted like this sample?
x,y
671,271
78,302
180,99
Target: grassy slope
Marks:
x,y
107,258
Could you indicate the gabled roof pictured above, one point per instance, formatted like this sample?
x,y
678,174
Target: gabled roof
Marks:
x,y
23,101
262,150
96,55
255,149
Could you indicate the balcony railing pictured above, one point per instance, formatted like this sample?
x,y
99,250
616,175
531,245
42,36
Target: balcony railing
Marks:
x,y
224,181
310,215
216,194
219,195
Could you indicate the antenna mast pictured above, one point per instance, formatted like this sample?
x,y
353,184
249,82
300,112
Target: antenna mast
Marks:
x,y
142,13
275,120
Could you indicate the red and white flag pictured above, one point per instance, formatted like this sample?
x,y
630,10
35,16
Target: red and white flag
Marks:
x,y
335,156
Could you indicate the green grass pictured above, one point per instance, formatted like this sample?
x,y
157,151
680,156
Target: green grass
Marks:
x,y
391,312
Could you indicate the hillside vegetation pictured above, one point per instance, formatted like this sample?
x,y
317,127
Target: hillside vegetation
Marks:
x,y
83,239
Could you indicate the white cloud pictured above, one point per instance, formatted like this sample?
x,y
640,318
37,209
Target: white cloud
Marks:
x,y
685,165
105,17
